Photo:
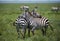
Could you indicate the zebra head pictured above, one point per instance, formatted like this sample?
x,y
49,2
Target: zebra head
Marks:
x,y
35,9
25,8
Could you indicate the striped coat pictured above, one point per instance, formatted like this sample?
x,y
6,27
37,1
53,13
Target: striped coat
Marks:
x,y
21,23
40,23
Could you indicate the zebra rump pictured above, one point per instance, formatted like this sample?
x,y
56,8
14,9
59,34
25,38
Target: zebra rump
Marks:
x,y
21,21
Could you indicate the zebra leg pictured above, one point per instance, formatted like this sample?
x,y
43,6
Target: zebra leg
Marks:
x,y
24,31
33,30
45,30
42,31
17,28
28,29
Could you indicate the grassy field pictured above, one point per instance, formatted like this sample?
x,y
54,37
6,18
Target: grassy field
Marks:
x,y
9,12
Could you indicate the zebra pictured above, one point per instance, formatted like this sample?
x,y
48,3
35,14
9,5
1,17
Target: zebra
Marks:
x,y
23,21
20,23
33,22
41,23
27,16
24,8
56,9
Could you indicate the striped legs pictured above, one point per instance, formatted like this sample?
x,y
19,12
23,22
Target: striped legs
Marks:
x,y
19,32
33,30
24,31
44,29
28,29
17,28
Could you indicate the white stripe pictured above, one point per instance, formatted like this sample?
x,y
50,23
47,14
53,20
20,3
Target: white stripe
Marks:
x,y
22,21
45,21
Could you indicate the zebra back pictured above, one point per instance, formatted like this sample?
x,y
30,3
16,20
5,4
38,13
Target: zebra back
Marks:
x,y
40,21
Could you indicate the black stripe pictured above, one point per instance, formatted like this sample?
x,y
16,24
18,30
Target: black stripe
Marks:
x,y
44,20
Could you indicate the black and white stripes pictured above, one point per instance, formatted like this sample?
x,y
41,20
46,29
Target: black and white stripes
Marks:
x,y
39,23
21,21
44,21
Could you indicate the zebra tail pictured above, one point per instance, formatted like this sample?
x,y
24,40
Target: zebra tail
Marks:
x,y
51,27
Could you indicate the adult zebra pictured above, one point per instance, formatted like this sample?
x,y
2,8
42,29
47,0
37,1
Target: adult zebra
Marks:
x,y
20,23
34,23
55,9
25,16
41,23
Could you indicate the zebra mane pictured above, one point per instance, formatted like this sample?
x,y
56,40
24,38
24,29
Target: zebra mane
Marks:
x,y
30,14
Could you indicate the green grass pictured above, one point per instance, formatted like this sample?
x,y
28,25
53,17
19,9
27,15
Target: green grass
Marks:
x,y
9,12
